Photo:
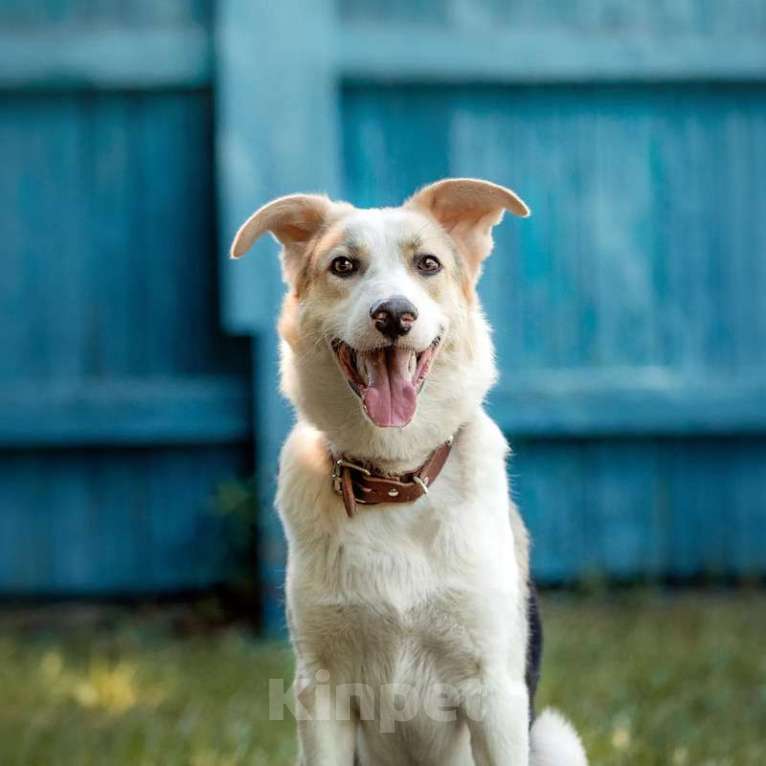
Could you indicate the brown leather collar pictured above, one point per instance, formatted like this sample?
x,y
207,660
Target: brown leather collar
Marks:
x,y
358,484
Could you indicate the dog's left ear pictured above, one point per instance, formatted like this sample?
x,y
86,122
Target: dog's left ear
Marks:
x,y
293,220
468,208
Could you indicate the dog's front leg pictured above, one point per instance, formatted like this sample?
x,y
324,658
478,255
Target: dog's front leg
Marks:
x,y
326,743
498,719
326,730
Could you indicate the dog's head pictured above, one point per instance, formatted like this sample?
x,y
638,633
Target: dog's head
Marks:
x,y
383,334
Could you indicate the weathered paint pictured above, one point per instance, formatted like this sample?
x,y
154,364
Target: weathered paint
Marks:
x,y
629,312
122,405
277,132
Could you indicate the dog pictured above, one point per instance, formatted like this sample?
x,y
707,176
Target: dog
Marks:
x,y
409,605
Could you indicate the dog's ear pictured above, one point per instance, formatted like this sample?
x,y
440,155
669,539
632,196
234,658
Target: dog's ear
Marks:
x,y
294,220
468,208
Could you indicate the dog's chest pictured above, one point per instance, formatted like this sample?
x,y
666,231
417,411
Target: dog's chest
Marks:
x,y
384,644
399,602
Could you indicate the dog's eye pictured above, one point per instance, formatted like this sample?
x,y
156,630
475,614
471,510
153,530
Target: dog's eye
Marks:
x,y
428,264
343,266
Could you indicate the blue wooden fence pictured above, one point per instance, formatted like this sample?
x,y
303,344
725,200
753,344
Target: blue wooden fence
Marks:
x,y
122,405
629,311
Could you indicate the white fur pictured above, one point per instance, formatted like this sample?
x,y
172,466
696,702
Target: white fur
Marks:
x,y
310,376
555,742
428,596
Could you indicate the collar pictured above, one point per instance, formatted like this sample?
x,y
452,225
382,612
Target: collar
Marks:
x,y
363,485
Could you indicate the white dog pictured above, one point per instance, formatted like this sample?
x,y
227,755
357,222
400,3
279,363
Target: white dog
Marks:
x,y
407,589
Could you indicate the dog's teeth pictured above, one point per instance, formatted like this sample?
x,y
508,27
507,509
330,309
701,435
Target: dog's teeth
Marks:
x,y
413,363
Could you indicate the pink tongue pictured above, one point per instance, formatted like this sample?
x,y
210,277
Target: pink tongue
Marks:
x,y
390,397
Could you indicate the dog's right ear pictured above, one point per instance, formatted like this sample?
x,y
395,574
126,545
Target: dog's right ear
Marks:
x,y
468,208
293,220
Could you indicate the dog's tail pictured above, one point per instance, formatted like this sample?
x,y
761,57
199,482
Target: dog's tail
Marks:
x,y
554,742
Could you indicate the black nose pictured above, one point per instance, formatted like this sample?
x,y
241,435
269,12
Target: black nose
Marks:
x,y
394,316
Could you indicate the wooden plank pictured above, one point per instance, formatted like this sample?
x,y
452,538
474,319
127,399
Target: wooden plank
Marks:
x,y
395,144
80,531
114,286
638,509
615,17
106,522
41,145
211,409
172,314
628,402
621,513
124,182
548,483
443,54
180,513
112,57
746,515
605,273
277,133
24,558
65,58
278,119
703,507
98,13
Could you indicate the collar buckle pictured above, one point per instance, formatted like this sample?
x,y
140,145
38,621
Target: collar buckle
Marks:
x,y
422,484
337,472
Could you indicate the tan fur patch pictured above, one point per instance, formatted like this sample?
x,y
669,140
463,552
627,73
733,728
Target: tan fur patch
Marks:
x,y
467,209
326,240
288,319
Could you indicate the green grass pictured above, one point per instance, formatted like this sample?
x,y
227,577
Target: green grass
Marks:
x,y
648,680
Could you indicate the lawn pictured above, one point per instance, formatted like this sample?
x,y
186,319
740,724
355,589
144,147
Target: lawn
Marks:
x,y
649,680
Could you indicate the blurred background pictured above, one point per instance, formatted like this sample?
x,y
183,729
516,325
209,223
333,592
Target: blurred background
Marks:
x,y
139,414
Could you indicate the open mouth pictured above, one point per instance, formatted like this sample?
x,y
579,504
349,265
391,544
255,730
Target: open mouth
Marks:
x,y
386,379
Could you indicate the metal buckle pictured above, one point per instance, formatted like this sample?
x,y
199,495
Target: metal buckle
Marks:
x,y
336,471
417,480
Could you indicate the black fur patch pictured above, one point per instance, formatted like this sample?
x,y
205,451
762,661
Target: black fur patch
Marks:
x,y
534,647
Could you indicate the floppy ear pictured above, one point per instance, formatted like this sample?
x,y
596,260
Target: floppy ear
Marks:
x,y
468,209
294,220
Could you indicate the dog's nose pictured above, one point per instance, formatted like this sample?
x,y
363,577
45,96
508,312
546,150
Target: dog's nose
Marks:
x,y
394,316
